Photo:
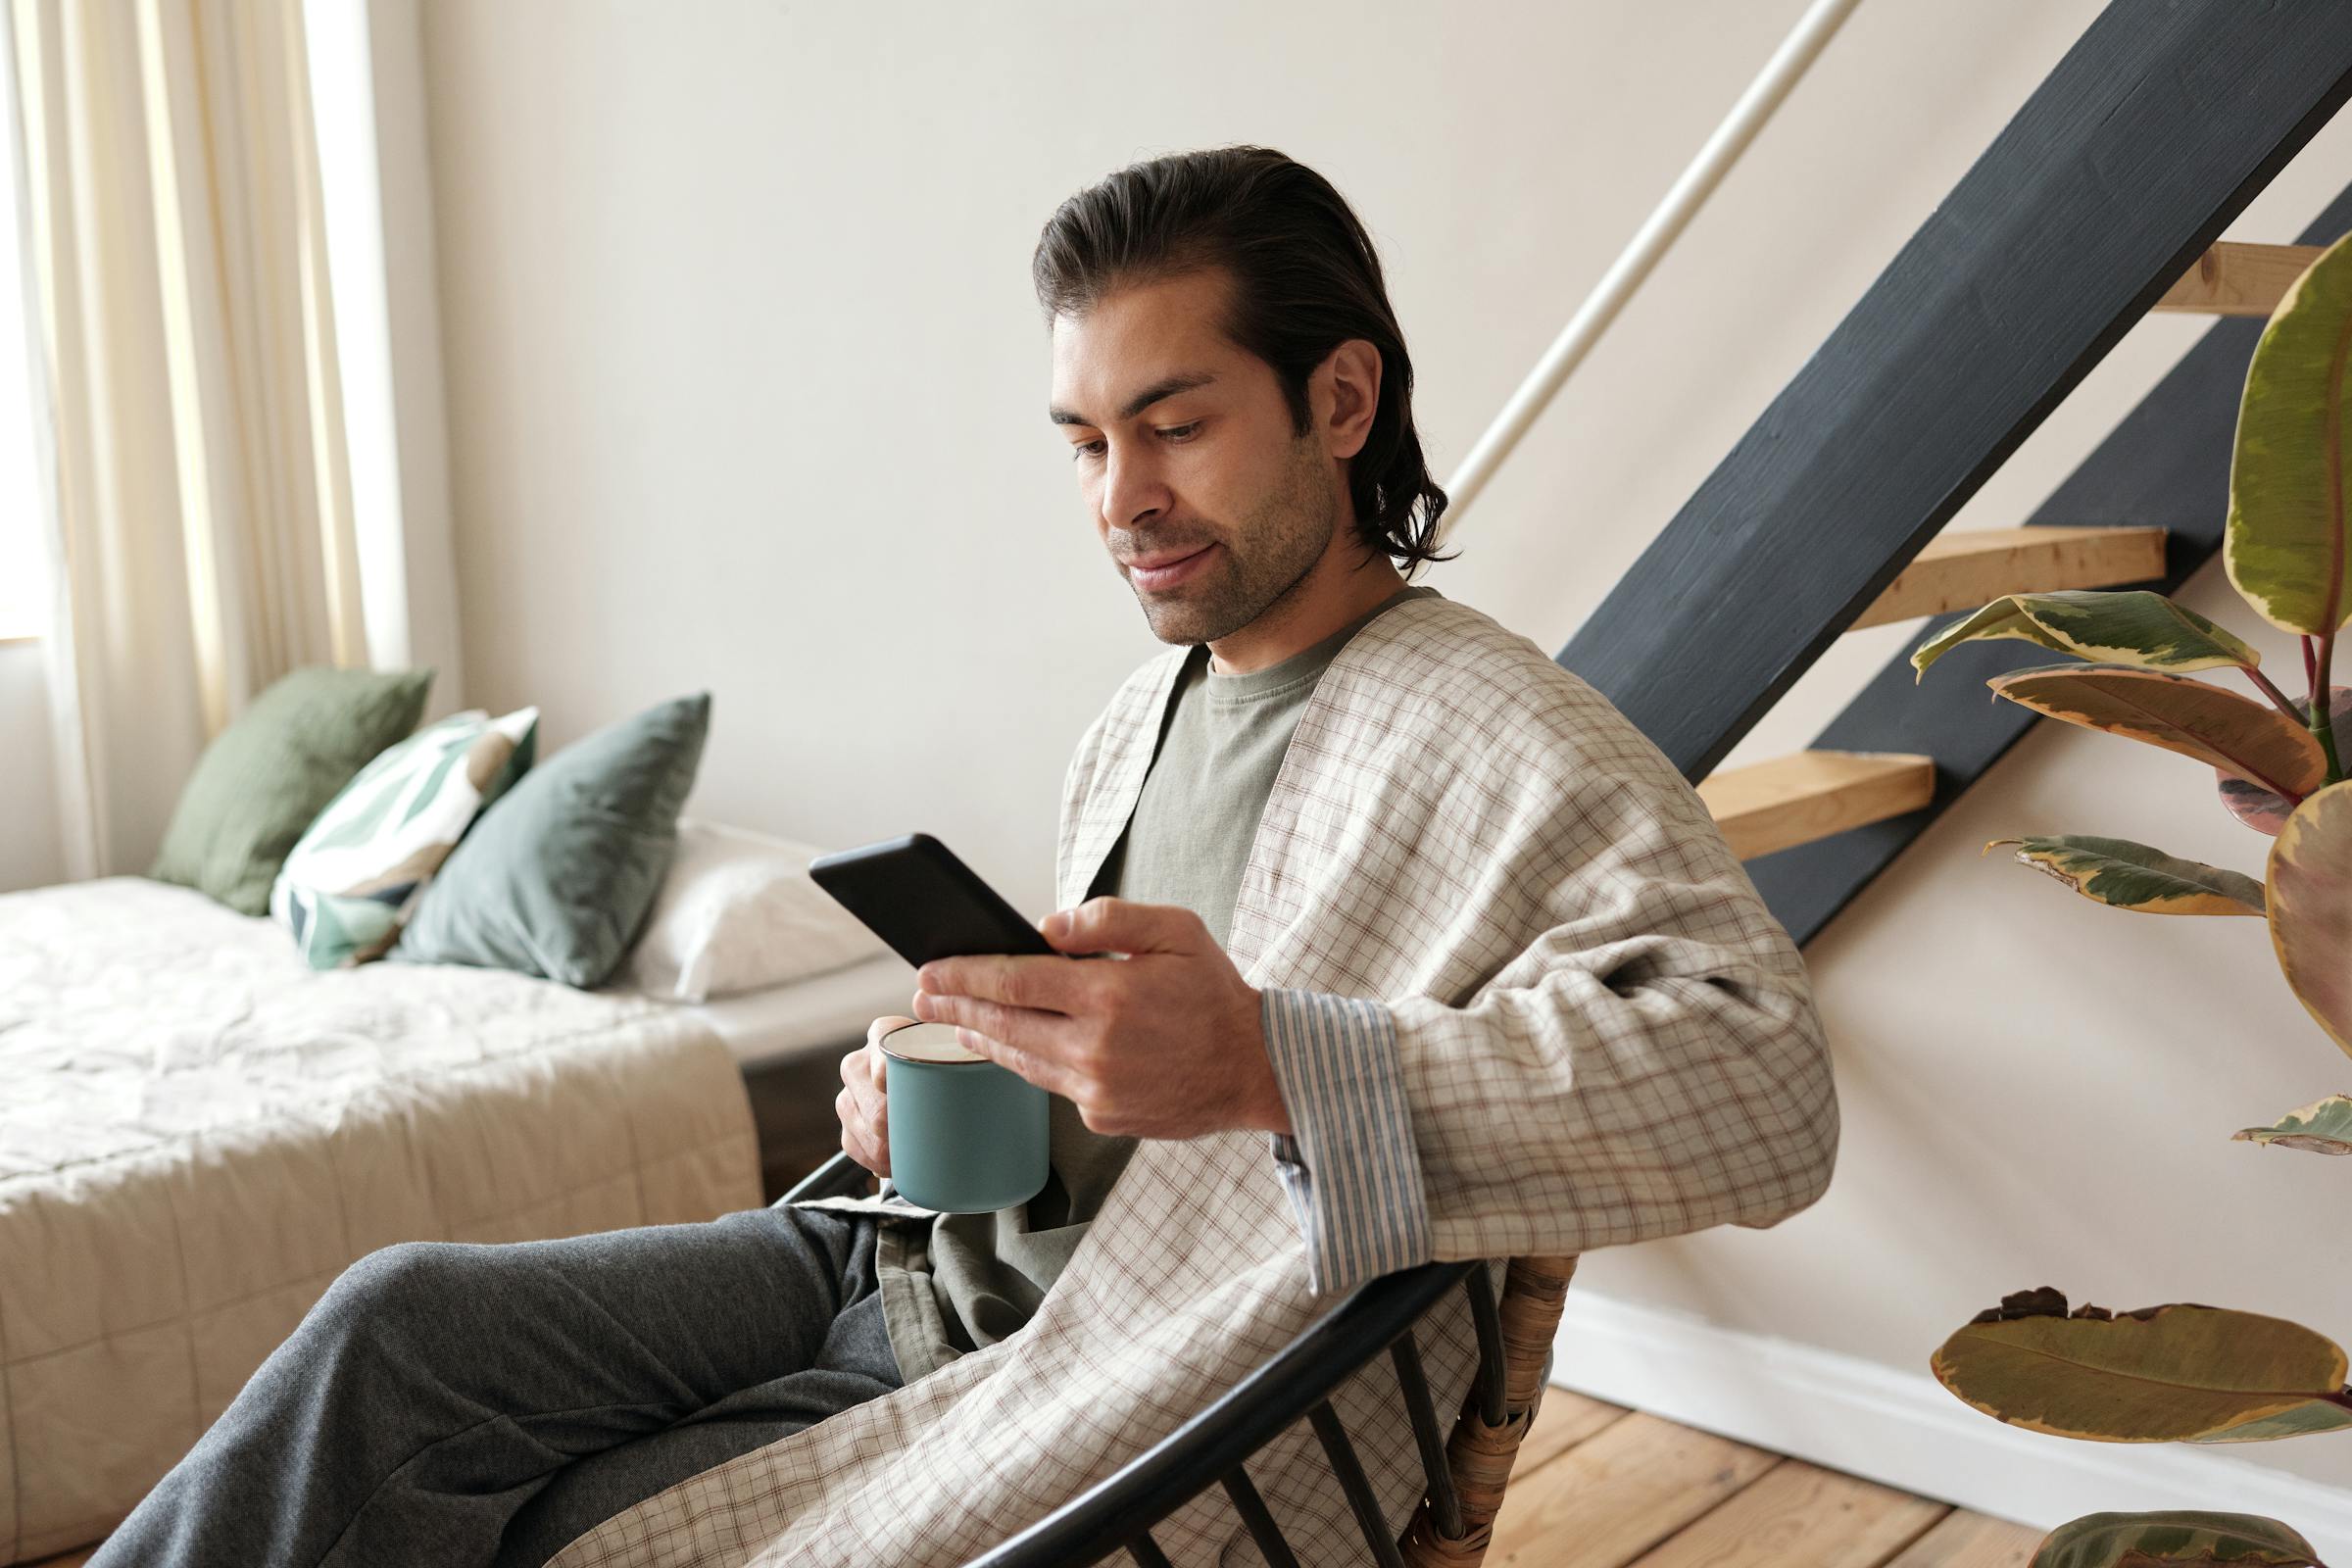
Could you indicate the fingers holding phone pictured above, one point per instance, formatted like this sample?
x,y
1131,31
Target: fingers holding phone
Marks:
x,y
865,1116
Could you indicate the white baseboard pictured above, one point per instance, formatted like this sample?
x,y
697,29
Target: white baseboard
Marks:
x,y
1904,1430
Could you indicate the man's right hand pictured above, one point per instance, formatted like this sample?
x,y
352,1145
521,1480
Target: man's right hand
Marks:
x,y
865,1118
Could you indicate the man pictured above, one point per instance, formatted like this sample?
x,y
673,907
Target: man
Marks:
x,y
1223,496
1427,954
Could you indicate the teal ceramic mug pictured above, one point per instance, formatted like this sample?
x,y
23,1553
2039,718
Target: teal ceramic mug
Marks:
x,y
966,1136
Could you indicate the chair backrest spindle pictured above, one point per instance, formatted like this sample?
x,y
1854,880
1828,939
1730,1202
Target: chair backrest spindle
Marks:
x,y
1482,1451
1490,1389
1414,1384
1354,1482
1258,1518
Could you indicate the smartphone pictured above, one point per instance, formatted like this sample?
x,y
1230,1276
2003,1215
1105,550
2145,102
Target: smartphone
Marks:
x,y
915,895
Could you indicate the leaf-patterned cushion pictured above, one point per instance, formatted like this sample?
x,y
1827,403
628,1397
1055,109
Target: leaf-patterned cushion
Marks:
x,y
353,878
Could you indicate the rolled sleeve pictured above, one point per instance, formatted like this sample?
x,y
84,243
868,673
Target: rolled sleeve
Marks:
x,y
1348,1165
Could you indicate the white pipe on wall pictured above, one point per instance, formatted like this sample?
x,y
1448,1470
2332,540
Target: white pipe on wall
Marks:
x,y
1783,72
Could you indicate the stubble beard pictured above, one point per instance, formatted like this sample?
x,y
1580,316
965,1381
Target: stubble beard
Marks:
x,y
1276,546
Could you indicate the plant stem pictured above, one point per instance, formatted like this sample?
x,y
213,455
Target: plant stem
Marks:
x,y
2278,699
2322,723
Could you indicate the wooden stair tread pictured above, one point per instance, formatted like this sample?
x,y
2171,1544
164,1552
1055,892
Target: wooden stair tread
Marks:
x,y
1964,1539
1793,800
1977,565
2238,278
1618,1494
1799,1513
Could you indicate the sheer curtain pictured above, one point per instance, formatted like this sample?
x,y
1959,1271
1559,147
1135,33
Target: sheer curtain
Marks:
x,y
199,489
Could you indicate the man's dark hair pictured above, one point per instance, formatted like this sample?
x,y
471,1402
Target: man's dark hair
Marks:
x,y
1305,280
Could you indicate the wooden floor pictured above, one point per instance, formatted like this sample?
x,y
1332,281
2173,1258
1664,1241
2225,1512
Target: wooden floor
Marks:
x,y
1599,1486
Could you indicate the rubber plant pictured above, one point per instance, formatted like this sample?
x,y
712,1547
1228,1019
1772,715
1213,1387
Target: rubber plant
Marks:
x,y
2185,1372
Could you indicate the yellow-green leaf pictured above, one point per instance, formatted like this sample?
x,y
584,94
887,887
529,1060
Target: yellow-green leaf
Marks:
x,y
2181,1372
2310,886
2134,876
2286,543
2243,738
2322,1127
2136,628
2173,1537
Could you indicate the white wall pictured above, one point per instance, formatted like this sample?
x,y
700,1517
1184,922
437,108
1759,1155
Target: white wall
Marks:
x,y
29,850
746,391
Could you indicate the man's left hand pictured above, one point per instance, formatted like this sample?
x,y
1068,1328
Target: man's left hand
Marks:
x,y
1164,1043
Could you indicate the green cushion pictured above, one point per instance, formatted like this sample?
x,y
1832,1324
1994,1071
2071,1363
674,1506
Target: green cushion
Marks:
x,y
557,877
263,779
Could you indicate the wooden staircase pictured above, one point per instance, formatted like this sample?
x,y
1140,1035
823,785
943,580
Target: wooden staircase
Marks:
x,y
2103,198
1812,795
1805,796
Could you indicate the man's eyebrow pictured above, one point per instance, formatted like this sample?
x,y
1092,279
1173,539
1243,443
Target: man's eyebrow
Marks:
x,y
1166,387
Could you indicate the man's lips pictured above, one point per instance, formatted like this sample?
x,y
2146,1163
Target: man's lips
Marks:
x,y
1171,571
1154,563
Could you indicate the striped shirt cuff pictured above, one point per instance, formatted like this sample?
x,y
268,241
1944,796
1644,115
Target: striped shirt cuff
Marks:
x,y
1349,1163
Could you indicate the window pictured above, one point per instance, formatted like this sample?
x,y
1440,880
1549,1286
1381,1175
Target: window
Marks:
x,y
23,522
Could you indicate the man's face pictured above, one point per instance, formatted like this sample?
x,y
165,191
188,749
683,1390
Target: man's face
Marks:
x,y
1183,443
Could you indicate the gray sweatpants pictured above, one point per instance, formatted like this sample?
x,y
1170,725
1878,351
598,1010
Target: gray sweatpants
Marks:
x,y
459,1403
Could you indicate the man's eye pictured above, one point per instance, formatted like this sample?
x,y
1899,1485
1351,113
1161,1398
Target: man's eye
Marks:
x,y
1177,433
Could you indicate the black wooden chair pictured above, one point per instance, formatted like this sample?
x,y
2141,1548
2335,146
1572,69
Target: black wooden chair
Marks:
x,y
1466,1470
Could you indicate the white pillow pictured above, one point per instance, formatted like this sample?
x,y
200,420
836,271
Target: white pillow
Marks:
x,y
738,912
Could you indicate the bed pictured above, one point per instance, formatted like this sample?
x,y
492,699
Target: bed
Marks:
x,y
197,1134
789,1041
820,1016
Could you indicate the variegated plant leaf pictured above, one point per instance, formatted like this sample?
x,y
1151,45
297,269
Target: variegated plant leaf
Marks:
x,y
2136,628
2261,809
2303,1421
2309,882
2288,547
2241,737
2135,876
2322,1127
2173,1537
2180,1372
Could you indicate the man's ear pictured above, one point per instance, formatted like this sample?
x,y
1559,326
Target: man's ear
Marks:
x,y
1345,395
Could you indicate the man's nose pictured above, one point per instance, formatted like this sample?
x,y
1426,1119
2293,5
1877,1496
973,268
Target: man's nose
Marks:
x,y
1132,488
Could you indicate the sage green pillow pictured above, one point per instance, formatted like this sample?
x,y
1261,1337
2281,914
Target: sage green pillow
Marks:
x,y
263,779
556,877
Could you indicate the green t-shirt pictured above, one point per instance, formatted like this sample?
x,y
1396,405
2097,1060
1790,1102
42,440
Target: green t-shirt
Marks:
x,y
968,1279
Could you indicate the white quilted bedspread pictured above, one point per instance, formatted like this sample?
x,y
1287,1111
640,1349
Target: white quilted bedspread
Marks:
x,y
197,1134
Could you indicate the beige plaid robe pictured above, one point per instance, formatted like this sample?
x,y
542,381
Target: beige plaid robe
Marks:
x,y
1603,1038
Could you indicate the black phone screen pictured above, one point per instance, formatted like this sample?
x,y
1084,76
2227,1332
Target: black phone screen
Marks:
x,y
917,896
